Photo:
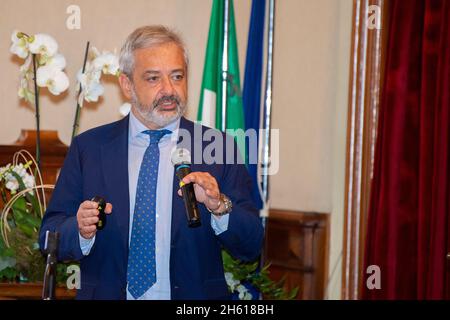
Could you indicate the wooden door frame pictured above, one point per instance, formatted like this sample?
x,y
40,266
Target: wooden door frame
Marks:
x,y
366,77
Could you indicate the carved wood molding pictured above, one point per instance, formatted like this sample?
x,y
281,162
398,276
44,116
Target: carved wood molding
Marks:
x,y
366,74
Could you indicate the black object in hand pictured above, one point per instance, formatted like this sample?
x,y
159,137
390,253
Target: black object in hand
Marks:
x,y
101,209
181,159
190,201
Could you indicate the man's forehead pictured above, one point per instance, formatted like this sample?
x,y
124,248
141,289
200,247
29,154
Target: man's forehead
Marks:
x,y
154,57
164,49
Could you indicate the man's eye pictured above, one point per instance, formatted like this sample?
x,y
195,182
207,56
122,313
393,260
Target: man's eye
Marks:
x,y
152,79
178,77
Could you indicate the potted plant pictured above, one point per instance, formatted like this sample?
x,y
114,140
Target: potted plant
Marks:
x,y
23,203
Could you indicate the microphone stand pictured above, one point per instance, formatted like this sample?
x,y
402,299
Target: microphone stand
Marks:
x,y
51,249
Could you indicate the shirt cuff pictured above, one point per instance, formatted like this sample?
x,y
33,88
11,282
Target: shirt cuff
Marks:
x,y
86,244
220,224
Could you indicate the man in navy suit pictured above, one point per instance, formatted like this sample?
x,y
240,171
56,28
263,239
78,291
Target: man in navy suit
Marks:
x,y
146,249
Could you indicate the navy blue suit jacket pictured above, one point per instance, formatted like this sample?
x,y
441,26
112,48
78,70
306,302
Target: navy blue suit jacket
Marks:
x,y
97,164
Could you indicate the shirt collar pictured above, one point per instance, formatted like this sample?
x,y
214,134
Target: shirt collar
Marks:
x,y
137,127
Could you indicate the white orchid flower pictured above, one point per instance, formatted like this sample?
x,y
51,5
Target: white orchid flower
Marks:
x,y
43,44
90,75
20,170
57,61
3,171
11,182
91,89
28,181
107,62
25,93
244,294
12,185
231,281
125,109
229,278
94,53
53,78
25,68
19,45
26,90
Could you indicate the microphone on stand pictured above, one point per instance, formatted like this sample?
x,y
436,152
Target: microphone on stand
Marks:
x,y
181,159
51,249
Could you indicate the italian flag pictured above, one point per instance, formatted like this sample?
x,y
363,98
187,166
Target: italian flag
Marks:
x,y
210,106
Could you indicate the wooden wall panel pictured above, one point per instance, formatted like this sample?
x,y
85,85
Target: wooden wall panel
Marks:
x,y
297,245
53,152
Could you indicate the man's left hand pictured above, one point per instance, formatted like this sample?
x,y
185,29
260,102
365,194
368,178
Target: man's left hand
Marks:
x,y
206,189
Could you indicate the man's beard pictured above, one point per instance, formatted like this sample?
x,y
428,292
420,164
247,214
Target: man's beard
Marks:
x,y
150,113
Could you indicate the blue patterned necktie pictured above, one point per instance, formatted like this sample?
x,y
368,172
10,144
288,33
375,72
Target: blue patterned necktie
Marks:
x,y
141,273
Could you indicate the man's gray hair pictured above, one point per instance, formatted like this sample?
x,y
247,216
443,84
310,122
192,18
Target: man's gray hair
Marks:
x,y
147,37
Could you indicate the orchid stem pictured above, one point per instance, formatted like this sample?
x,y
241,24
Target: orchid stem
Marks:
x,y
77,112
38,128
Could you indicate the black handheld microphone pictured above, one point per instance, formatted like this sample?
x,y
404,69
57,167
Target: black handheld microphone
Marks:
x,y
51,249
181,159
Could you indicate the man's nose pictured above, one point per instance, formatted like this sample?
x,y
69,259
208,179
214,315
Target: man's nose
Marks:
x,y
167,86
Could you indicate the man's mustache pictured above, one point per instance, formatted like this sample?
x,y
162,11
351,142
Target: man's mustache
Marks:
x,y
164,99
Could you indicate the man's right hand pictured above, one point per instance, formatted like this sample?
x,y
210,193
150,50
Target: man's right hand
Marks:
x,y
87,217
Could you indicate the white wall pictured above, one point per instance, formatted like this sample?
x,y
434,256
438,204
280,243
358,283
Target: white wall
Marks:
x,y
310,84
310,108
106,23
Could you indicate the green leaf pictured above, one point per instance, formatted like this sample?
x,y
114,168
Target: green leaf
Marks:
x,y
7,262
20,204
27,230
9,274
32,221
25,221
34,202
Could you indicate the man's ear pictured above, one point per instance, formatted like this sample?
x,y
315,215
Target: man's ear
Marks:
x,y
125,85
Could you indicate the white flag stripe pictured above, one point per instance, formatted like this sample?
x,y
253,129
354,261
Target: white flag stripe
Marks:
x,y
209,108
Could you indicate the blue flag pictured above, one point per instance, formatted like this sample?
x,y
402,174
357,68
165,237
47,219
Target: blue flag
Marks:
x,y
253,85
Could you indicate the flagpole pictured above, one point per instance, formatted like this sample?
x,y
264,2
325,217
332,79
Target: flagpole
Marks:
x,y
226,22
267,113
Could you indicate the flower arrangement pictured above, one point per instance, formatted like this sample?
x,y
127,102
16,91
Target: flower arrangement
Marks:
x,y
23,206
20,219
43,68
246,282
95,65
105,63
50,64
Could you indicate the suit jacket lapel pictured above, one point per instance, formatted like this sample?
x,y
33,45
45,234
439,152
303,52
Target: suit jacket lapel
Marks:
x,y
114,155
